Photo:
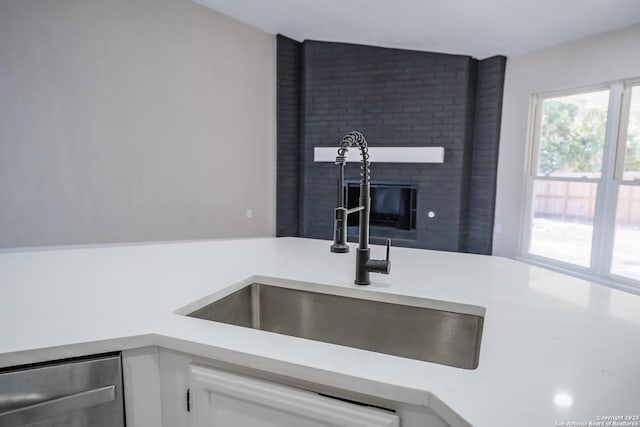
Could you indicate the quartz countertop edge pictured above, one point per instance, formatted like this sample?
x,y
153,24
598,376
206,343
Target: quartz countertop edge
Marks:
x,y
545,334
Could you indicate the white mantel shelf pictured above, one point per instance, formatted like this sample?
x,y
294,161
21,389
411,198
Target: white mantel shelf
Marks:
x,y
384,154
546,335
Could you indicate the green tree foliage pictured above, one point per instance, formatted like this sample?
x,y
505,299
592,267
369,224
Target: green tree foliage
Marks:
x,y
571,138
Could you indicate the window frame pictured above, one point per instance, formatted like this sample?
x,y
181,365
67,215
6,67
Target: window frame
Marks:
x,y
607,185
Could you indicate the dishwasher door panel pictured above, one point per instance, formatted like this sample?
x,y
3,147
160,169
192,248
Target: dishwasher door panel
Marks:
x,y
74,393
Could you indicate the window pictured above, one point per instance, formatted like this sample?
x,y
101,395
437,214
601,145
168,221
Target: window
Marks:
x,y
583,186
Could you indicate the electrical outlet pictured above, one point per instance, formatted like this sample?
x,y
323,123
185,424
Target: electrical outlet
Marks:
x,y
248,213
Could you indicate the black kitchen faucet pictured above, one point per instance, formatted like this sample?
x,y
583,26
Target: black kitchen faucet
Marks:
x,y
364,265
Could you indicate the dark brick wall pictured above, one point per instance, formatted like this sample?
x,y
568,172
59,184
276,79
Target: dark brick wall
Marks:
x,y
288,133
394,97
467,141
486,137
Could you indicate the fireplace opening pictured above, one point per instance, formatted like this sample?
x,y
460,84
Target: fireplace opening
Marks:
x,y
393,209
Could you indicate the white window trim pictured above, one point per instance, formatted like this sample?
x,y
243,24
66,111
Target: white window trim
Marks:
x,y
610,179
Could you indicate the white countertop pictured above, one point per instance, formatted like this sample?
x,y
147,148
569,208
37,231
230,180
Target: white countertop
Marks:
x,y
546,336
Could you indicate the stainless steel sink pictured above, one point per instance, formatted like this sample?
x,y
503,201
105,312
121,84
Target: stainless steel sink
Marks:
x,y
416,332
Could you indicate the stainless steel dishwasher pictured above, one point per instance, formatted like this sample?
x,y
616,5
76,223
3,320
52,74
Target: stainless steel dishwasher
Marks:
x,y
69,393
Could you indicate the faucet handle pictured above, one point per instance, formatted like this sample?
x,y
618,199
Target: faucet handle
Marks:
x,y
388,248
380,265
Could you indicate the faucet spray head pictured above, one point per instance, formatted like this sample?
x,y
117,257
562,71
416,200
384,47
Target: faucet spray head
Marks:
x,y
353,138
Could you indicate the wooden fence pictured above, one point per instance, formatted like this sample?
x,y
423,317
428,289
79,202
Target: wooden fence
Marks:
x,y
577,201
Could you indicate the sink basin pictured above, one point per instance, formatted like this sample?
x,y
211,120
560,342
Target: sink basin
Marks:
x,y
422,329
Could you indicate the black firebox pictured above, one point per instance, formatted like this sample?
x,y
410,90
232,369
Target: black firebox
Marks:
x,y
393,206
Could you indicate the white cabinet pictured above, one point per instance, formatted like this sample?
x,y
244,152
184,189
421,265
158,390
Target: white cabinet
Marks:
x,y
220,394
221,399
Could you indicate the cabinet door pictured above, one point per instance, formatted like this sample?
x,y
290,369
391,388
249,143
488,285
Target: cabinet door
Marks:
x,y
222,399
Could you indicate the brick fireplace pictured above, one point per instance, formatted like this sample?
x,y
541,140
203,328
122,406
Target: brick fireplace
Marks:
x,y
395,98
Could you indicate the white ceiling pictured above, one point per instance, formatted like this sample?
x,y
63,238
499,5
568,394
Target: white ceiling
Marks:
x,y
480,28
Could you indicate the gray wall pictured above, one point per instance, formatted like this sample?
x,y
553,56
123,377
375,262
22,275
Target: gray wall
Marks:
x,y
402,98
133,120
